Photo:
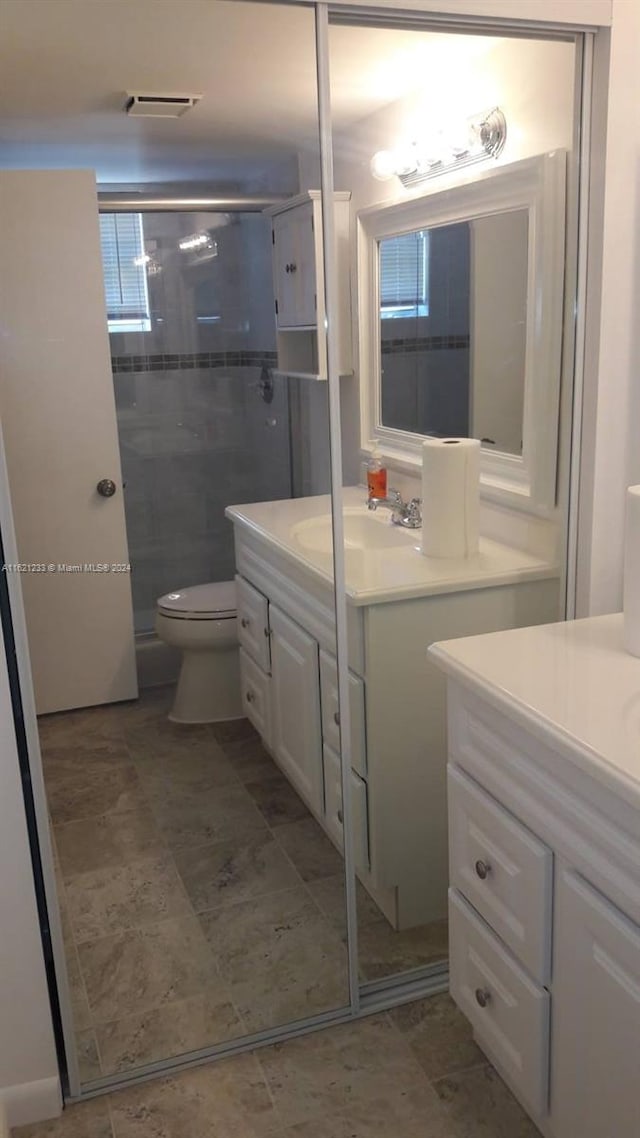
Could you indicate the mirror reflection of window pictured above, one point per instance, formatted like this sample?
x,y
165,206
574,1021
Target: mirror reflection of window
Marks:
x,y
404,275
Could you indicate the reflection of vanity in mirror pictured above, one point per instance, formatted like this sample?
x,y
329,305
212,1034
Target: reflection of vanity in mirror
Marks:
x,y
451,345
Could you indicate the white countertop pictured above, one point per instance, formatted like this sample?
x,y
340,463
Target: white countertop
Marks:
x,y
374,576
571,684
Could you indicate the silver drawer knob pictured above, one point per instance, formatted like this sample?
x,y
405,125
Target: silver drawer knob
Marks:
x,y
249,697
244,622
483,997
336,718
483,869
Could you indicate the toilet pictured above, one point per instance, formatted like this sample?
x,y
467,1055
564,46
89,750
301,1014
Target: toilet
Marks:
x,y
202,622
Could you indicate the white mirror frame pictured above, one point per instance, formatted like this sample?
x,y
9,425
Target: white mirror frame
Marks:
x,y
527,481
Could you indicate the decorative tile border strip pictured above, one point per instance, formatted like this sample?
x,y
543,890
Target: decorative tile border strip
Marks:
x,y
187,361
424,344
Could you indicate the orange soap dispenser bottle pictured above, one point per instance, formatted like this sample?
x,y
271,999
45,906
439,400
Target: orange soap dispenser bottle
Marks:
x,y
376,476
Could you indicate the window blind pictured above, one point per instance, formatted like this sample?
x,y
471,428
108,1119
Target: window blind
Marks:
x,y
404,274
125,277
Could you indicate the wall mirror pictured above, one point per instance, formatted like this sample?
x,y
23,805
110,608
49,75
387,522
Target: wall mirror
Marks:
x,y
459,289
460,295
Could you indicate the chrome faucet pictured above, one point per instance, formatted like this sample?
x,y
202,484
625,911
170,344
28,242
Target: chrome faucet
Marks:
x,y
407,514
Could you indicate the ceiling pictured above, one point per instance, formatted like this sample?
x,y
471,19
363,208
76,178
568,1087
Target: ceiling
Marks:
x,y
65,66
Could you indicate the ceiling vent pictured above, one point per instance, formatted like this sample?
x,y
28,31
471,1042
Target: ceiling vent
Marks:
x,y
159,106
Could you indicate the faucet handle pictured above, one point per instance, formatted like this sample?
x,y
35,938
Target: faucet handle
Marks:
x,y
394,496
413,514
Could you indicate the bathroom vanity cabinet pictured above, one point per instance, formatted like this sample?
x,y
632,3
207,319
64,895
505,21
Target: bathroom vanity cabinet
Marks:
x,y
298,284
398,744
544,900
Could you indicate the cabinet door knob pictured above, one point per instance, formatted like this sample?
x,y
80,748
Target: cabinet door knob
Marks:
x,y
483,869
106,487
267,632
249,697
483,996
340,817
244,622
336,718
291,267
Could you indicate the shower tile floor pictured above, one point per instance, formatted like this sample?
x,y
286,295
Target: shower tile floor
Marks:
x,y
200,899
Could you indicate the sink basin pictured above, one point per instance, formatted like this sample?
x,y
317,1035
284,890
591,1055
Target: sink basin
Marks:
x,y
363,529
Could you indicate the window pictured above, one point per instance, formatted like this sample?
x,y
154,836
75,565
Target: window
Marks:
x,y
125,275
404,265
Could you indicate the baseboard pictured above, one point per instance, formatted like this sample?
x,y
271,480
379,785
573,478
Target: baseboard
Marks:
x,y
25,1103
157,663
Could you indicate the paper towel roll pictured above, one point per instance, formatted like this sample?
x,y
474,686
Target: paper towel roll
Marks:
x,y
631,599
450,497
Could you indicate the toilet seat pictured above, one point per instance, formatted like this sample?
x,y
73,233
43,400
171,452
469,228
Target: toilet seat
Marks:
x,y
213,601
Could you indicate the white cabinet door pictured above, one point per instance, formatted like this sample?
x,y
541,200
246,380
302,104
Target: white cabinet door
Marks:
x,y
334,817
58,414
503,869
295,267
253,623
331,715
256,695
509,1012
297,736
596,1016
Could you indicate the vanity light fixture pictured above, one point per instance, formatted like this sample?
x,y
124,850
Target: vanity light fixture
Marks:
x,y
482,136
196,241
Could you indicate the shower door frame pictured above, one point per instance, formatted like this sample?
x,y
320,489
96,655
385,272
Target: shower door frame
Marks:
x,y
380,995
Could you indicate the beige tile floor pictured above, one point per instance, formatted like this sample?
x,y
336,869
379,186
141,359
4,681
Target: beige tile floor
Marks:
x,y
412,1073
200,899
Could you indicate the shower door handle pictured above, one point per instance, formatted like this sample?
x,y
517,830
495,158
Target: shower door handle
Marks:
x,y
106,487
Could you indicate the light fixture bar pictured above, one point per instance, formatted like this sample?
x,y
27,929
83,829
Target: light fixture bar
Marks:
x,y
489,132
486,134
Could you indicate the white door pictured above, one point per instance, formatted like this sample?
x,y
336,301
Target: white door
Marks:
x,y
596,1016
58,417
295,687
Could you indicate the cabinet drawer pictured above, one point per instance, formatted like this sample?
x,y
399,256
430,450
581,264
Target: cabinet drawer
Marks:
x,y
330,715
253,623
503,870
256,695
333,808
508,1011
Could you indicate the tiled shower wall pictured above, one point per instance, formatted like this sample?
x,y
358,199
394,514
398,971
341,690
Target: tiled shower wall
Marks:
x,y
195,434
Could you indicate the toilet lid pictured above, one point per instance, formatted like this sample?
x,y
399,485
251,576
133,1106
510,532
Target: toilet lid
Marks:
x,y
217,599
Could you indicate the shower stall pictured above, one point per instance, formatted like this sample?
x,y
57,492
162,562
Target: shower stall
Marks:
x,y
203,422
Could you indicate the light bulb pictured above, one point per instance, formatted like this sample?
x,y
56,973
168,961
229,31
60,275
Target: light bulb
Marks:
x,y
383,165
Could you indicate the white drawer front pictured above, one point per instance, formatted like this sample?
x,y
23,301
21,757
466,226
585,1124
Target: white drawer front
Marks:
x,y
253,623
503,869
256,695
330,714
509,1012
333,808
